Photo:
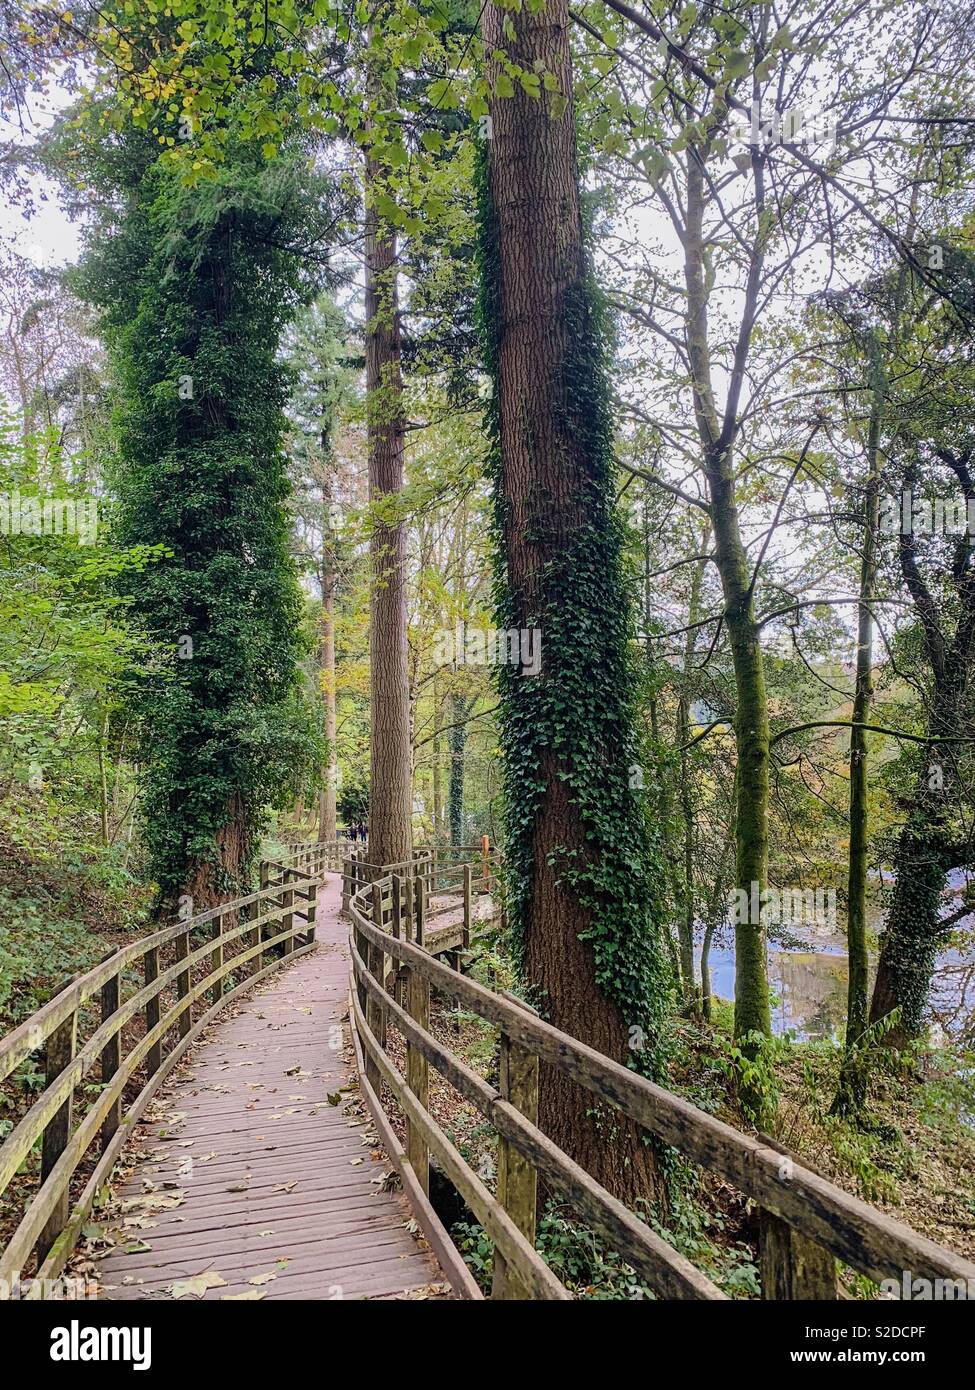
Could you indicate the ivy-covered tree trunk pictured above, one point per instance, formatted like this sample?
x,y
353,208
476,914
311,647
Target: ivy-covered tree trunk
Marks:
x,y
927,848
195,290
583,889
390,757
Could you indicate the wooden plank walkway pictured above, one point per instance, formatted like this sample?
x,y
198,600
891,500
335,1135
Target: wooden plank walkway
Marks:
x,y
247,1173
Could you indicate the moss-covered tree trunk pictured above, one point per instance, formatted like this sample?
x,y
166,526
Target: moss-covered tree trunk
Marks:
x,y
752,1012
582,889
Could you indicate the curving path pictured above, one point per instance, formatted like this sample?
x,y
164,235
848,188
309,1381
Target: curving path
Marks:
x,y
248,1182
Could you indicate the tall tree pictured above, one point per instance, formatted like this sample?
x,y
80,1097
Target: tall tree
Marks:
x,y
390,757
195,287
583,895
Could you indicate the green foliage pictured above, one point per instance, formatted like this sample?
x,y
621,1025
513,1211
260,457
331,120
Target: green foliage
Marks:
x,y
592,1270
195,287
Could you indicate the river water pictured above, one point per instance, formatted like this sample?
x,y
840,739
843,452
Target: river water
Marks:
x,y
809,984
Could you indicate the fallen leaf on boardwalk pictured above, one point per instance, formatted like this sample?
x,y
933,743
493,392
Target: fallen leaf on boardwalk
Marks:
x,y
264,1278
334,1097
198,1284
238,1187
248,1296
426,1291
285,1187
205,1158
264,1234
355,1161
134,1247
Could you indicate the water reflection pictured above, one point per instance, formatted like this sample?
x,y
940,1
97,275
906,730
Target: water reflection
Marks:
x,y
809,986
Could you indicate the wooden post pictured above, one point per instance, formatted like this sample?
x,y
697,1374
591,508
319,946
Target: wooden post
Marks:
x,y
216,960
396,931
419,908
409,899
517,1180
346,884
263,932
417,1071
312,900
59,1054
111,1055
793,1267
151,973
467,907
485,863
375,1013
287,921
183,983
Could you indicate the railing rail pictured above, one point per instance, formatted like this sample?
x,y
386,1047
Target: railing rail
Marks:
x,y
262,929
806,1222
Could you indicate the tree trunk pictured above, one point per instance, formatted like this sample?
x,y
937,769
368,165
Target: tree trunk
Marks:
x,y
852,1088
554,494
752,1010
390,757
460,709
326,807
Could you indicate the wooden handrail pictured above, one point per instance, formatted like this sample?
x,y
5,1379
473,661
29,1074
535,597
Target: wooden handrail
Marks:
x,y
797,1202
280,915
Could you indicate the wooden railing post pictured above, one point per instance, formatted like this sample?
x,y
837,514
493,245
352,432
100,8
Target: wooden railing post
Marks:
x,y
467,908
183,983
287,921
417,1070
396,930
793,1267
375,1013
263,905
517,1180
150,974
216,960
111,1055
485,863
59,1054
346,884
252,937
311,898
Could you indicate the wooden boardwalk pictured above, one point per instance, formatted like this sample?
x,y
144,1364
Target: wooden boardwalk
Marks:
x,y
249,1176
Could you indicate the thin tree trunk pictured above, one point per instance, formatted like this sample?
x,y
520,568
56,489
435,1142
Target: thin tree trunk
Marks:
x,y
752,1009
460,709
103,778
852,1089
